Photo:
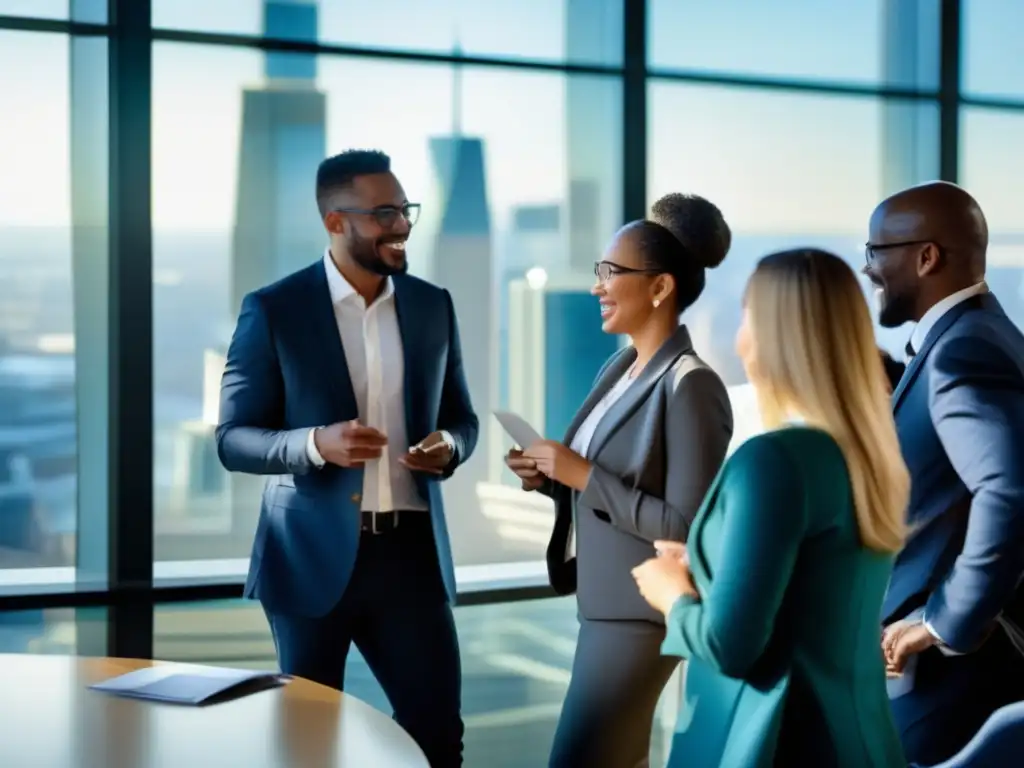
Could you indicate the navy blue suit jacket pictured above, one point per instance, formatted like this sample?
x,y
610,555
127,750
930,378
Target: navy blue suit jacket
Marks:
x,y
959,411
286,373
998,744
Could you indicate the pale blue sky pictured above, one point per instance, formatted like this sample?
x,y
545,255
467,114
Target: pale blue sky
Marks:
x,y
775,162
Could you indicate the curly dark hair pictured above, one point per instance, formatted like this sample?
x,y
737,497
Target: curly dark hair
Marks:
x,y
685,236
699,225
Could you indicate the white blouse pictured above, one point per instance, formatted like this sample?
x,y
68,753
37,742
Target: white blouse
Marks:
x,y
585,434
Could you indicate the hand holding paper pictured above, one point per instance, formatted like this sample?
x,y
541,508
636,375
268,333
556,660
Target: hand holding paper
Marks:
x,y
561,464
550,458
525,469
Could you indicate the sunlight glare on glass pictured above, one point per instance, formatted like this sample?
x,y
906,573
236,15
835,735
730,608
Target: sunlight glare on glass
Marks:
x,y
537,278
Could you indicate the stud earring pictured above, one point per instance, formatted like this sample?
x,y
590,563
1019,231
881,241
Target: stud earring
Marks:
x,y
657,303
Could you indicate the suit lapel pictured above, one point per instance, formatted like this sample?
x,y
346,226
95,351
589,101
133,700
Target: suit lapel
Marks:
x,y
611,374
944,324
636,394
412,344
329,346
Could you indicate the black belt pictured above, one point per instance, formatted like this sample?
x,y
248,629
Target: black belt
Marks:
x,y
378,522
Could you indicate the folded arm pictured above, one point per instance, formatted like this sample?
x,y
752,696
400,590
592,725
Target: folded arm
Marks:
x,y
764,526
698,428
457,417
249,436
976,403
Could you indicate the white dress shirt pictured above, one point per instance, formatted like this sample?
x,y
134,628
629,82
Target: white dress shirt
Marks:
x,y
373,350
933,315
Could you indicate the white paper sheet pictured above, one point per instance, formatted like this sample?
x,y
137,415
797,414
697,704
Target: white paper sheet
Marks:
x,y
518,428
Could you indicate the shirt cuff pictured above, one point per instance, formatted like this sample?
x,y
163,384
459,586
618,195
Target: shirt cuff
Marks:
x,y
939,642
448,440
312,452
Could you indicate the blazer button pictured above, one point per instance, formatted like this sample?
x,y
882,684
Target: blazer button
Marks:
x,y
356,498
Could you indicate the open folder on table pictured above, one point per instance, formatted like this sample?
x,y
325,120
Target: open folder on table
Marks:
x,y
190,683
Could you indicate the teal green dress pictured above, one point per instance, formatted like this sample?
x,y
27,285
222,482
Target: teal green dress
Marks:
x,y
784,646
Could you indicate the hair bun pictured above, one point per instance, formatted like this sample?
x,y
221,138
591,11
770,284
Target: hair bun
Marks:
x,y
697,224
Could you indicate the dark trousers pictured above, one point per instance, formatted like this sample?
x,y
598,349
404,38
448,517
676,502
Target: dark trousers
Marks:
x,y
953,696
618,674
397,613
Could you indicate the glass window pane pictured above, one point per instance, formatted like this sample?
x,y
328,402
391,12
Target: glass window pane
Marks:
x,y
578,31
992,169
60,631
88,11
991,60
233,169
875,42
516,662
787,170
37,324
38,9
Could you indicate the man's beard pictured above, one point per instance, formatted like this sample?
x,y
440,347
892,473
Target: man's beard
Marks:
x,y
895,310
364,253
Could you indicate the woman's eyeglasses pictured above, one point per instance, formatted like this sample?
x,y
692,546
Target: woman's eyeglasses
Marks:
x,y
606,270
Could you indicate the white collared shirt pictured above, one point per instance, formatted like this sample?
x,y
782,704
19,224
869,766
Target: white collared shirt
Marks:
x,y
933,315
372,344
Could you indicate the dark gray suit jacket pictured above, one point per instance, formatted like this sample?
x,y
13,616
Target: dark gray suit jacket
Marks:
x,y
654,456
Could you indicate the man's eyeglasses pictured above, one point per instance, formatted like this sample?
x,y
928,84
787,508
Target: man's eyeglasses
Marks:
x,y
606,270
387,215
871,250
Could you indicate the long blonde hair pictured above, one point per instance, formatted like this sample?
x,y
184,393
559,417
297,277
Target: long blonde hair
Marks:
x,y
816,355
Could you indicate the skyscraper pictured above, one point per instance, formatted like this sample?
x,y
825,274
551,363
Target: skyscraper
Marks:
x,y
593,125
277,230
284,126
462,262
283,139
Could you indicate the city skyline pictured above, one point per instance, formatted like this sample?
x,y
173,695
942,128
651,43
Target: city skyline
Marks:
x,y
484,149
700,136
787,167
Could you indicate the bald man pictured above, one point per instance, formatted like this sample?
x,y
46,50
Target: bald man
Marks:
x,y
952,603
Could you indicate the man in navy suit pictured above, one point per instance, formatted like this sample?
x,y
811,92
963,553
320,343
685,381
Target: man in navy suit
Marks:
x,y
959,411
344,383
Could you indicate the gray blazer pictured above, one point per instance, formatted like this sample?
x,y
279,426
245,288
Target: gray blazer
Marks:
x,y
654,456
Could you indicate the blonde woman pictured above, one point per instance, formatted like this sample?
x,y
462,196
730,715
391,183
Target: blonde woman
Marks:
x,y
776,600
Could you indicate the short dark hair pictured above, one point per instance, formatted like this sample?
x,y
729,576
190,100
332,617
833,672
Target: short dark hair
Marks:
x,y
686,235
337,172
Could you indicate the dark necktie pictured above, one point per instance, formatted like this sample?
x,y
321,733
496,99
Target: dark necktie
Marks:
x,y
909,349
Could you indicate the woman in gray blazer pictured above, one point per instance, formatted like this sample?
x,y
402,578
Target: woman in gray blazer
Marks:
x,y
633,468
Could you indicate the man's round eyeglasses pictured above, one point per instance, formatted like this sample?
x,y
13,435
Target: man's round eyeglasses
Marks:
x,y
387,215
871,250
